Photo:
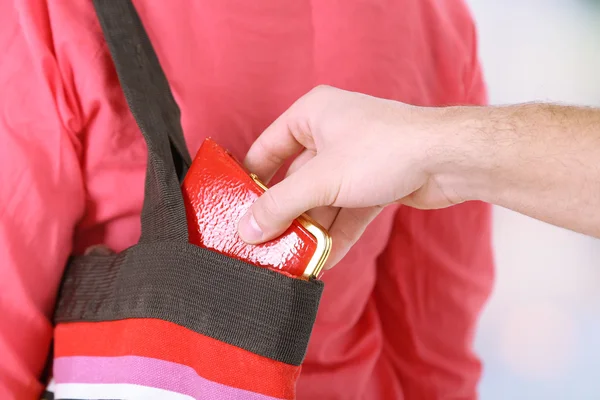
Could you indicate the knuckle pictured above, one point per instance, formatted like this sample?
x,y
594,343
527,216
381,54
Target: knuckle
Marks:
x,y
269,151
331,190
301,130
345,237
319,192
320,90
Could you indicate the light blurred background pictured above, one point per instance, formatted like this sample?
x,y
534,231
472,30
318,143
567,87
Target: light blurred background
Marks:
x,y
540,334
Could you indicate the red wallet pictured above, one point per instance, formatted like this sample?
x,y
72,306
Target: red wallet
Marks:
x,y
217,192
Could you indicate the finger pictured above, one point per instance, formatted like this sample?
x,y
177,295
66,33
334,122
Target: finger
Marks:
x,y
299,162
98,250
284,138
347,228
287,135
313,185
323,215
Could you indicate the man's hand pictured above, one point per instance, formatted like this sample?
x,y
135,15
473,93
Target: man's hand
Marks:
x,y
356,154
359,153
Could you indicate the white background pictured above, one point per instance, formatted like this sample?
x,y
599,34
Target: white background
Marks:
x,y
539,337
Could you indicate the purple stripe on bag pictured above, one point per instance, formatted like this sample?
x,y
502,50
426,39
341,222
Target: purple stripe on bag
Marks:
x,y
149,372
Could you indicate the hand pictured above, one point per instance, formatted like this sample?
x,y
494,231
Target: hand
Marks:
x,y
356,154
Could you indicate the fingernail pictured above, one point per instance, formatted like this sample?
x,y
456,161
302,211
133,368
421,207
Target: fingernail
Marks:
x,y
98,250
249,230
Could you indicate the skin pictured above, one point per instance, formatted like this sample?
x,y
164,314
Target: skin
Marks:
x,y
357,154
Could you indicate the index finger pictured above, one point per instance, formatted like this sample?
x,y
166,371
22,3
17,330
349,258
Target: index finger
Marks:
x,y
284,138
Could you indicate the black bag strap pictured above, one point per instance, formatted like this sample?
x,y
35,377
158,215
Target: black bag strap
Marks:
x,y
152,104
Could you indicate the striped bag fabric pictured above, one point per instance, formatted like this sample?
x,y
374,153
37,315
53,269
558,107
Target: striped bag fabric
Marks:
x,y
166,319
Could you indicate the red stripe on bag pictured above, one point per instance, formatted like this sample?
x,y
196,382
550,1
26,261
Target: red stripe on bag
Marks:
x,y
214,360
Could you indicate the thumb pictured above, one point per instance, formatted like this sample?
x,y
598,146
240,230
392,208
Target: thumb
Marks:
x,y
313,185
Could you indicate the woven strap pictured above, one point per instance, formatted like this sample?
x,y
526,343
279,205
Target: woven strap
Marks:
x,y
152,104
256,309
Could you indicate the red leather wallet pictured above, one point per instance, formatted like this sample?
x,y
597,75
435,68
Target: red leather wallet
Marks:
x,y
217,192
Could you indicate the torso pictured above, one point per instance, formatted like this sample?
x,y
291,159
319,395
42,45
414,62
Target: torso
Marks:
x,y
234,67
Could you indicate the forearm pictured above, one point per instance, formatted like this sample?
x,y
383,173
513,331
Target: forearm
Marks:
x,y
539,160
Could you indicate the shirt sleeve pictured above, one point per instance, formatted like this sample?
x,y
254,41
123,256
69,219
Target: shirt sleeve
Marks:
x,y
41,191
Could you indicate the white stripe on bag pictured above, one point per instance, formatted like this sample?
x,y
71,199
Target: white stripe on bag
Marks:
x,y
114,391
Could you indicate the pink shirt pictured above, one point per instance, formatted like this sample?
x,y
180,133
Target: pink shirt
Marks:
x,y
398,313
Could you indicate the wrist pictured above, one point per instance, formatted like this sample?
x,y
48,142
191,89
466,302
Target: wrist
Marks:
x,y
468,151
